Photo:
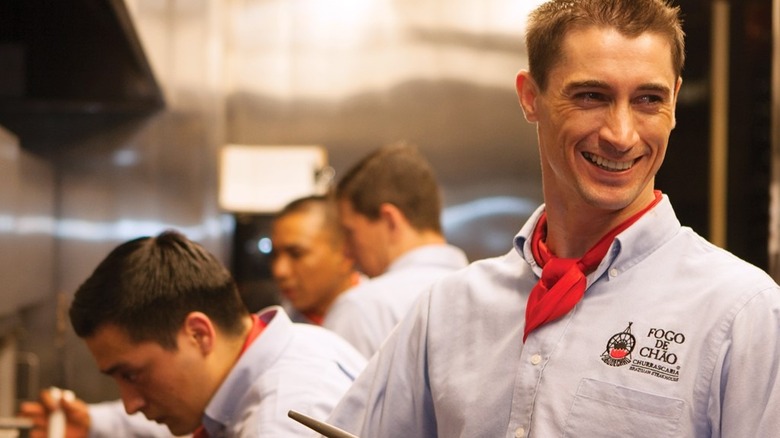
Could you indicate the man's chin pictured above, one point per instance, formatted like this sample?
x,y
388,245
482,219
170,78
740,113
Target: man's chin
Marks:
x,y
180,432
178,429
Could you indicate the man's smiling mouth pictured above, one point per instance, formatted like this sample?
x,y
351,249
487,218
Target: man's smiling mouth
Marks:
x,y
612,166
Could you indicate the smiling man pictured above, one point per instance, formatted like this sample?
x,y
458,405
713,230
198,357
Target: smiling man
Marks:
x,y
164,319
607,318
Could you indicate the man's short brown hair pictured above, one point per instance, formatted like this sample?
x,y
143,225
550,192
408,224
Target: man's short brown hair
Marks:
x,y
396,174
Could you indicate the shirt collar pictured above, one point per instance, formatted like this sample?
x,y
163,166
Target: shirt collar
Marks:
x,y
443,255
257,358
630,247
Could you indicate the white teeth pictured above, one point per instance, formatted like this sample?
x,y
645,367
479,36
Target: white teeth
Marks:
x,y
602,162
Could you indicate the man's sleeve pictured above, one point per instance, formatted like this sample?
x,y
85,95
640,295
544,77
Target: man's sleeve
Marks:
x,y
745,393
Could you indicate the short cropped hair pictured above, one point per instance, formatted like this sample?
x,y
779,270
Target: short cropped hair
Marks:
x,y
325,205
396,174
549,23
148,286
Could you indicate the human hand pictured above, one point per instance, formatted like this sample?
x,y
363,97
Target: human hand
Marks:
x,y
77,420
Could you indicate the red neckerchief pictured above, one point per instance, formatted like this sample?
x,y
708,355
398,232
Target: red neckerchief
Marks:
x,y
563,281
257,327
315,318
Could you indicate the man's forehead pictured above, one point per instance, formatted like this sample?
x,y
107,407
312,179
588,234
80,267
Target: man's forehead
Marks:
x,y
578,48
113,348
109,343
297,226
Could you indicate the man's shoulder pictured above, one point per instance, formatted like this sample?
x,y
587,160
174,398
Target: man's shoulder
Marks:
x,y
506,267
697,252
377,288
309,347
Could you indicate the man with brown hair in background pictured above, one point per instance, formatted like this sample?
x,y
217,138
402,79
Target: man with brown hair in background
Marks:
x,y
389,205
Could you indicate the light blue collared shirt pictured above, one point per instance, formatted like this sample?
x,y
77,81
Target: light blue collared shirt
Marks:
x,y
674,337
365,314
289,366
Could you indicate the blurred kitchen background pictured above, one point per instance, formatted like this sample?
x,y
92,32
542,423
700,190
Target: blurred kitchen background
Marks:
x,y
115,116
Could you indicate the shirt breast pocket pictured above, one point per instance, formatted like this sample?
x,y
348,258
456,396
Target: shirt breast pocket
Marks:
x,y
605,410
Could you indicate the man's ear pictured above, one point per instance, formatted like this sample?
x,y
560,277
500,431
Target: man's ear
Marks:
x,y
391,216
527,91
199,330
674,103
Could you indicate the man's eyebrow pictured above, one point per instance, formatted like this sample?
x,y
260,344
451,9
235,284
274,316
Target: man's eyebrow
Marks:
x,y
592,83
655,87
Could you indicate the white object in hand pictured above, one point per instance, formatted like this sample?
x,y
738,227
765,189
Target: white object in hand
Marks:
x,y
57,417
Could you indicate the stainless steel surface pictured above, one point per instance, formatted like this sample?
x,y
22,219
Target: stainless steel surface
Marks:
x,y
26,250
7,375
26,224
438,74
125,177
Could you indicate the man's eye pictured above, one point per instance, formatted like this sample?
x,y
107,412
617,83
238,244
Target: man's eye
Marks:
x,y
650,99
590,97
128,376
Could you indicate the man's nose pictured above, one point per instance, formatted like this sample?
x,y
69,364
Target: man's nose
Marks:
x,y
620,128
280,266
131,398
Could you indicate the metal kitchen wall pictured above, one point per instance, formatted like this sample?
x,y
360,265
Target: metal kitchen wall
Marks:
x,y
439,73
120,172
350,78
355,74
26,250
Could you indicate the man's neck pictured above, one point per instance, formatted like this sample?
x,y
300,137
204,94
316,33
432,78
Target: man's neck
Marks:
x,y
573,230
413,240
232,347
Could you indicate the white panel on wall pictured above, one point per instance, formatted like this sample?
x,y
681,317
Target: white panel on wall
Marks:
x,y
262,179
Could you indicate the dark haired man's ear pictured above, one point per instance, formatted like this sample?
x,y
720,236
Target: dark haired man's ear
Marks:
x,y
199,330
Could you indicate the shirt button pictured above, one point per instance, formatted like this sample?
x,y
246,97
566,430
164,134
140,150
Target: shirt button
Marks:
x,y
536,360
519,432
613,272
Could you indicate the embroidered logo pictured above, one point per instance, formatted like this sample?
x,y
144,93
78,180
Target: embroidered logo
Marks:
x,y
619,348
656,358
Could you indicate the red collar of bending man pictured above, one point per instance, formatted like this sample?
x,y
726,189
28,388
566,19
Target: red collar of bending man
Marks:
x,y
563,281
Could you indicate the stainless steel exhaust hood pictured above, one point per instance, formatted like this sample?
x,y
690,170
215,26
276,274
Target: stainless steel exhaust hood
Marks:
x,y
76,59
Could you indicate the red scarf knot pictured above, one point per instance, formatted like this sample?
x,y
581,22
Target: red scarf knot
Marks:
x,y
563,281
